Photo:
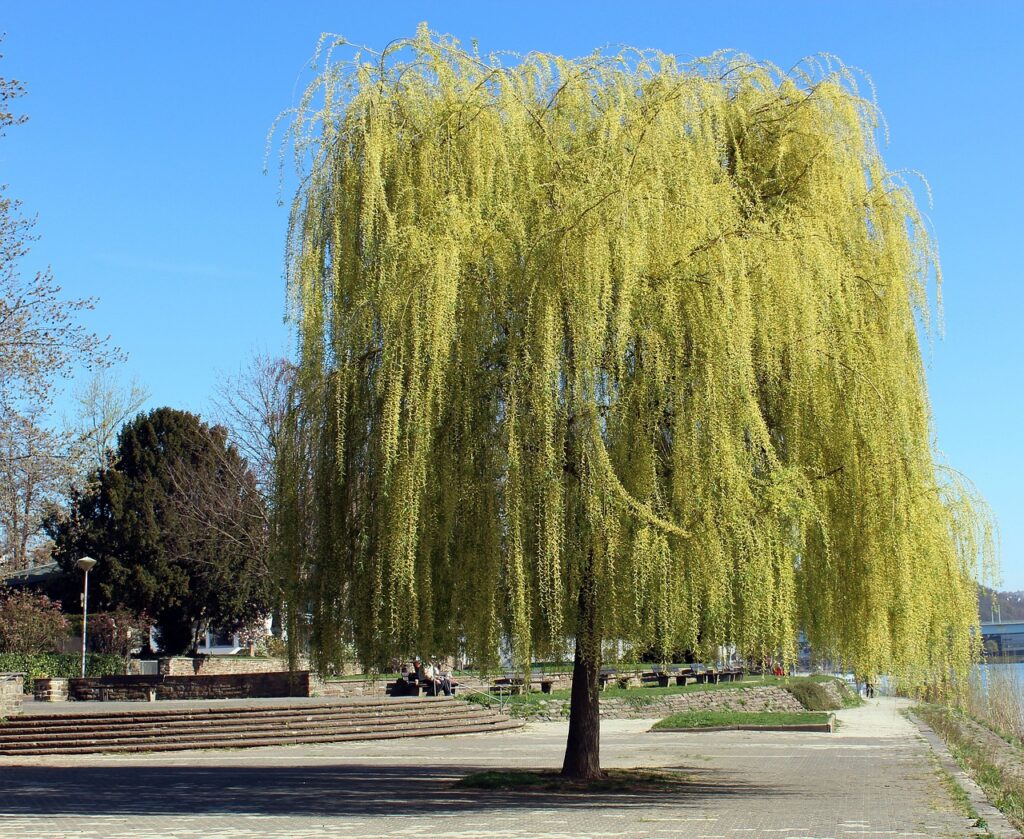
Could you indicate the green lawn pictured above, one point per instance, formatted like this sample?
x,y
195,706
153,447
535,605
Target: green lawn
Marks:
x,y
709,719
992,768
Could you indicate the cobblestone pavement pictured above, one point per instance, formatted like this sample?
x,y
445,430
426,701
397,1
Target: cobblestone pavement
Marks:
x,y
872,778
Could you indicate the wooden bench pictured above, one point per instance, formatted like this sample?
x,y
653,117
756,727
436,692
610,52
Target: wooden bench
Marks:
x,y
664,678
712,676
415,687
403,687
546,685
509,686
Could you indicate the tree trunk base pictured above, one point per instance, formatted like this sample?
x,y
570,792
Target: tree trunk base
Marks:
x,y
583,747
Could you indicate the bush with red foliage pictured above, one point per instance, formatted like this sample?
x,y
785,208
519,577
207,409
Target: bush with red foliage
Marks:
x,y
30,623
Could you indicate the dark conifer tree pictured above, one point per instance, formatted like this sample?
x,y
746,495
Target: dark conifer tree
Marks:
x,y
136,518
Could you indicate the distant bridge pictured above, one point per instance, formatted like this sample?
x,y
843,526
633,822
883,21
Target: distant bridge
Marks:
x,y
1003,639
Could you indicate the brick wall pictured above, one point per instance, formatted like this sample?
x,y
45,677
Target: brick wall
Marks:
x,y
12,693
226,686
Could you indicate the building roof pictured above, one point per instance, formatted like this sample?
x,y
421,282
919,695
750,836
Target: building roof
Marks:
x,y
31,576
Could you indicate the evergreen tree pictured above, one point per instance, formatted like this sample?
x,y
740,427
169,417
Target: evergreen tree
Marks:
x,y
137,518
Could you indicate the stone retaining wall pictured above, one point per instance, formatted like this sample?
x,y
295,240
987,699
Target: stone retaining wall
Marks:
x,y
350,687
640,706
767,698
12,693
50,690
228,686
220,665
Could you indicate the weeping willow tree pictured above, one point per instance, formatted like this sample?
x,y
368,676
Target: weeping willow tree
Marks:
x,y
615,348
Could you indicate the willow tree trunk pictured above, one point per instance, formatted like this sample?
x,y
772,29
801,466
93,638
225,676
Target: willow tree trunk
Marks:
x,y
583,747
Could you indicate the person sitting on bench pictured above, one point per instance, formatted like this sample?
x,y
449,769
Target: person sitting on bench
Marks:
x,y
419,670
425,675
431,675
443,681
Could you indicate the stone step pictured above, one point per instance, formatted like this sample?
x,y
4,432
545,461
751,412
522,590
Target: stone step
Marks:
x,y
71,723
134,744
387,705
230,726
244,726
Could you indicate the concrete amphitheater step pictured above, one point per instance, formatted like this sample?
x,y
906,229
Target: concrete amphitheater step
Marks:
x,y
242,741
77,724
267,724
243,727
232,710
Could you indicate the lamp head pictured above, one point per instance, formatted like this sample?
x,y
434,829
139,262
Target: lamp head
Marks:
x,y
86,563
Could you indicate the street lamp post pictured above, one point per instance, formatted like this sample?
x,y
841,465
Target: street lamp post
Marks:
x,y
85,563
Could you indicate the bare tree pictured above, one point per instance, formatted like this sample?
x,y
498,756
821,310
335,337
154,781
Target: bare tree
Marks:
x,y
230,512
104,405
253,406
41,338
36,466
41,342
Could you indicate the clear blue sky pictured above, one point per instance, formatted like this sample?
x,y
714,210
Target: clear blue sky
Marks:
x,y
144,150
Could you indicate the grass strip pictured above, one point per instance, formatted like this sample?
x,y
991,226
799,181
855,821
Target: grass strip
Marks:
x,y
714,719
1003,789
961,799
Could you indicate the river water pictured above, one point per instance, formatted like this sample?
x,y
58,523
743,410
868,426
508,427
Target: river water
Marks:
x,y
1005,675
1012,672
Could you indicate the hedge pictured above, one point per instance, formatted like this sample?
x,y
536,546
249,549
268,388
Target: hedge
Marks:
x,y
60,665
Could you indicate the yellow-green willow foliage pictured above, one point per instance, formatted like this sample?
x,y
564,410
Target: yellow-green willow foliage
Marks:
x,y
626,324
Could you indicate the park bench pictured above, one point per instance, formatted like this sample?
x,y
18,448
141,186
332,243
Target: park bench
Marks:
x,y
414,687
623,680
664,678
508,686
544,684
712,675
403,687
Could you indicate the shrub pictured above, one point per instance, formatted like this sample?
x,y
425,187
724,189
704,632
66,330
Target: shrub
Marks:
x,y
277,647
813,696
255,636
850,697
59,665
118,632
30,623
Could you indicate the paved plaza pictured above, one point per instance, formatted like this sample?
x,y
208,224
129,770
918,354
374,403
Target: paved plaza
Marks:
x,y
872,778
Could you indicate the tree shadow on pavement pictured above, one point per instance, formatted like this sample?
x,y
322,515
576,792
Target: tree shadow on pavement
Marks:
x,y
331,790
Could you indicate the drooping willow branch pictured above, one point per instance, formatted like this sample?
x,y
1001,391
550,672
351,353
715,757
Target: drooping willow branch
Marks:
x,y
609,318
